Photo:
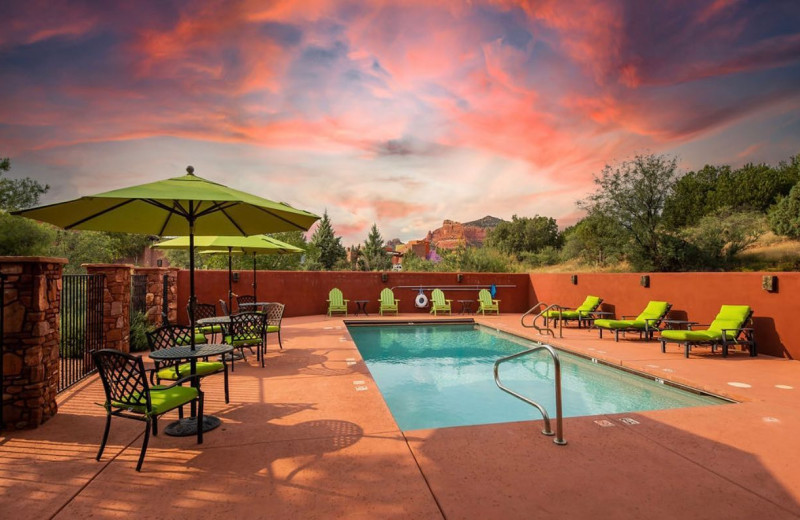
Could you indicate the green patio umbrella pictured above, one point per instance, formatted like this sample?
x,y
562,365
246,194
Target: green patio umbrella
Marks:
x,y
234,245
187,205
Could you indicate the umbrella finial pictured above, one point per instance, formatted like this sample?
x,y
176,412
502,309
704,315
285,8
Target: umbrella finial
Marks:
x,y
190,170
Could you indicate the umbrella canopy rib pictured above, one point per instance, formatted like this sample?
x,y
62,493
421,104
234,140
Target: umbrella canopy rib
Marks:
x,y
98,214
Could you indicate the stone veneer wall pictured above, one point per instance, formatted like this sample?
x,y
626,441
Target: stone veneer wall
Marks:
x,y
116,304
31,305
155,292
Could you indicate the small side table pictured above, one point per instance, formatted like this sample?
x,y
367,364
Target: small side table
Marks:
x,y
361,306
466,306
679,324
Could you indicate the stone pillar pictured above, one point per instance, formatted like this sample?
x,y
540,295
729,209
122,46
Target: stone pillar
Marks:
x,y
155,292
30,360
116,304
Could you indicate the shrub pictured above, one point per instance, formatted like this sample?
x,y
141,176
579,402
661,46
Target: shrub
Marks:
x,y
139,329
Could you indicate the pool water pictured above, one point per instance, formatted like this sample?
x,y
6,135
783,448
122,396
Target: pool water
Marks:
x,y
434,376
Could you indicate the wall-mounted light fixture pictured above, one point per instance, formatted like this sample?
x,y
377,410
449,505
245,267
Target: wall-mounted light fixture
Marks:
x,y
769,283
644,281
235,277
460,277
574,279
159,262
384,277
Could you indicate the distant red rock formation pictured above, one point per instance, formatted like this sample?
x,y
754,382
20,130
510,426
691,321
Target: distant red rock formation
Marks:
x,y
454,234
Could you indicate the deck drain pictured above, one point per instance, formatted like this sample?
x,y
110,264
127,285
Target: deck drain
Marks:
x,y
604,423
739,385
784,387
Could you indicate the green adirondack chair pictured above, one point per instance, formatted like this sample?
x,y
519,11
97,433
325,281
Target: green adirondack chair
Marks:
x,y
728,328
439,304
336,302
647,322
388,302
486,303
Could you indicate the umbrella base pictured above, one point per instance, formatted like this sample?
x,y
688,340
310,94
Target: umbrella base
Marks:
x,y
188,426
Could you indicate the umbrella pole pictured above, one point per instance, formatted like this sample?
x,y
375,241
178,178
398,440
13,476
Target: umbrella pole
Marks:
x,y
255,287
230,280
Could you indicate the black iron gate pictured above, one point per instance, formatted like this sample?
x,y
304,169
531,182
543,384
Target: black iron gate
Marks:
x,y
138,293
81,326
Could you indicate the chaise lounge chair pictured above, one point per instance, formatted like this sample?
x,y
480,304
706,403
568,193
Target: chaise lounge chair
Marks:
x,y
580,314
439,304
645,323
336,301
388,301
486,303
728,328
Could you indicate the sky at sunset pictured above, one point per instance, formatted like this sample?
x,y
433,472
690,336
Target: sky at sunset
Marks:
x,y
400,113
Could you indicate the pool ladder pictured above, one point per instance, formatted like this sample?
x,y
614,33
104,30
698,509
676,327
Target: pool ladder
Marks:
x,y
545,330
547,430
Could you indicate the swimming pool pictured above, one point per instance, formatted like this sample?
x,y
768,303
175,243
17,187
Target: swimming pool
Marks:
x,y
434,376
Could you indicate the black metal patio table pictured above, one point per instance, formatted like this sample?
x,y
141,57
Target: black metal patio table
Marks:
x,y
361,306
466,306
188,425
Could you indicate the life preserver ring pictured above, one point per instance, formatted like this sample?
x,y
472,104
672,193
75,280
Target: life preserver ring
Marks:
x,y
421,300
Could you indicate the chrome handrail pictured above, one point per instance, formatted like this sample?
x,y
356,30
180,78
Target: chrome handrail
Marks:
x,y
557,363
546,329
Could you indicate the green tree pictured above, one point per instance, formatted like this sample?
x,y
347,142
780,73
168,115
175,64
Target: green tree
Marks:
x,y
784,216
325,248
694,196
374,256
524,235
18,193
721,235
21,236
24,237
634,194
596,239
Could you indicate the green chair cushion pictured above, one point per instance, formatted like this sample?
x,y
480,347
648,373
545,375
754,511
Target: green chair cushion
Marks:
x,y
202,368
730,317
163,400
242,341
273,328
198,338
210,329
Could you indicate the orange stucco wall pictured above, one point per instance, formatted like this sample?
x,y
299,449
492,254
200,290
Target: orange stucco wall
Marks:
x,y
304,292
694,296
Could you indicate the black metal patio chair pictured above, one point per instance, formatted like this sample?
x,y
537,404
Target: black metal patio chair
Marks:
x,y
129,395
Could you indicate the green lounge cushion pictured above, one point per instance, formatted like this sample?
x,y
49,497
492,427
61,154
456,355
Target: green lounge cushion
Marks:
x,y
654,311
273,328
589,304
162,400
691,335
619,324
729,317
202,368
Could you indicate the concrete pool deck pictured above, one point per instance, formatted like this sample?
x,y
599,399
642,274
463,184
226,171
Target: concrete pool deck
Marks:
x,y
310,436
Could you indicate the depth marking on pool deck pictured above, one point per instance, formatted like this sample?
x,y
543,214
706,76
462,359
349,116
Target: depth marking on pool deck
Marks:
x,y
604,423
360,386
350,361
739,385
